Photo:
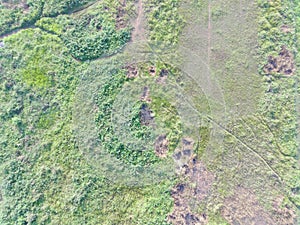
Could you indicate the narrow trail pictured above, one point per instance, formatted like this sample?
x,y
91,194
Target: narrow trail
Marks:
x,y
16,30
138,31
79,9
209,34
248,147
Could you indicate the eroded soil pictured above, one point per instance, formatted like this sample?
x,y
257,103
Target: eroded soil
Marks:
x,y
146,95
152,70
194,188
282,213
120,18
161,146
132,71
243,207
146,116
283,63
138,28
163,75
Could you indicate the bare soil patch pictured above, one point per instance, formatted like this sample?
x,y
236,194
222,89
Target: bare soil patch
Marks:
x,y
283,214
244,208
132,71
283,63
120,18
152,70
146,116
195,188
286,29
182,213
146,95
161,146
163,75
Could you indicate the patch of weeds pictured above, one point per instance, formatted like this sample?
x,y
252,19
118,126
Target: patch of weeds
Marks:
x,y
89,35
36,77
39,55
164,21
278,106
167,117
55,7
19,14
204,134
28,59
111,143
52,25
23,14
149,205
217,13
47,120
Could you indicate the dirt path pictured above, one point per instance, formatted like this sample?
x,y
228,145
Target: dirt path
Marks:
x,y
209,34
16,31
139,31
80,9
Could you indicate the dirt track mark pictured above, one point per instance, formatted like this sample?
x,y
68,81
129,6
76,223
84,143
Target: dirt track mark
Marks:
x,y
209,34
138,29
247,146
14,31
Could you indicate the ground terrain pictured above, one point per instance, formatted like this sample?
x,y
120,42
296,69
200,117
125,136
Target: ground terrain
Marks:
x,y
149,112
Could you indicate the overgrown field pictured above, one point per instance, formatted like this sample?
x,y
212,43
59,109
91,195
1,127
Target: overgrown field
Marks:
x,y
196,124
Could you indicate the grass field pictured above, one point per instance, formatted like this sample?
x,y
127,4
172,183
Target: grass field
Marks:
x,y
149,112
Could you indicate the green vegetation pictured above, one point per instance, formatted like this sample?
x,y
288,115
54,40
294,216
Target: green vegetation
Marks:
x,y
164,21
33,53
105,101
56,7
165,120
39,81
46,177
167,116
91,34
279,105
17,14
